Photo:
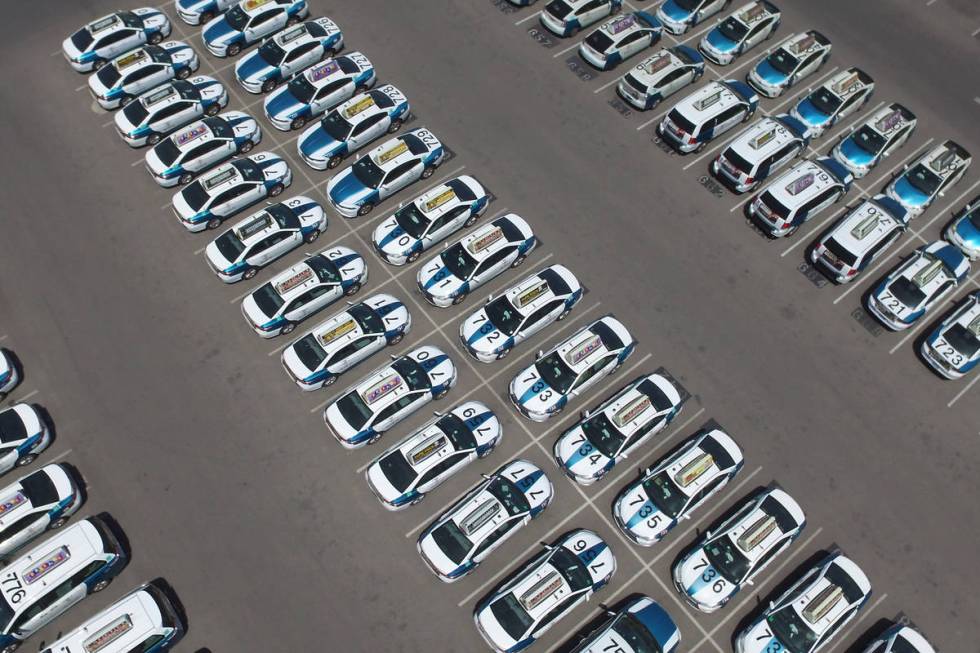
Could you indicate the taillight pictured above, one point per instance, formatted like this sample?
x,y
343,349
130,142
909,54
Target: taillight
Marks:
x,y
851,273
749,180
692,141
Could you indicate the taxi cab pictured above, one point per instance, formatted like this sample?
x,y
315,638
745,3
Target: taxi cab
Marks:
x,y
660,75
884,132
93,45
134,72
318,89
798,195
760,150
706,114
742,30
43,500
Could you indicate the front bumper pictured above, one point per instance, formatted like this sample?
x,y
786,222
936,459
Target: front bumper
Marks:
x,y
531,415
937,363
878,310
715,56
838,275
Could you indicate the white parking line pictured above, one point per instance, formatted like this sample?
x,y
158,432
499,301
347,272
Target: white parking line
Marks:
x,y
605,86
137,162
962,392
658,118
527,18
841,638
564,50
3,337
23,398
81,88
708,152
63,454
939,214
741,204
911,332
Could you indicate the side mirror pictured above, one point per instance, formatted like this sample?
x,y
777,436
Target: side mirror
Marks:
x,y
307,255
584,414
350,303
540,354
942,193
489,298
437,413
547,546
393,357
772,604
750,582
484,476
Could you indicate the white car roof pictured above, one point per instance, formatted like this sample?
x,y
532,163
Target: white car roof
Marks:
x,y
863,228
443,198
760,530
363,106
533,292
800,184
847,82
823,602
297,35
631,409
582,350
762,138
300,277
943,160
655,67
396,151
692,468
325,72
123,625
53,560
751,13
707,102
484,241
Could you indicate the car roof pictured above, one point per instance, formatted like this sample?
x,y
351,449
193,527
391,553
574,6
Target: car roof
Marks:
x,y
446,196
533,292
823,600
766,136
708,101
753,12
803,43
944,160
124,624
329,70
865,226
801,183
293,37
655,67
773,515
398,150
701,459
55,559
848,82
889,119
632,408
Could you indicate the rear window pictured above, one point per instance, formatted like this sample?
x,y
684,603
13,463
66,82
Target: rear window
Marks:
x,y
397,470
599,41
40,488
167,152
738,161
843,580
657,397
11,426
347,65
452,542
722,458
774,205
555,282
841,252
461,190
778,512
681,121
608,336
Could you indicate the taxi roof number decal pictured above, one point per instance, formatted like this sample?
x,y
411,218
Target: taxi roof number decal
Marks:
x,y
382,388
478,245
440,199
800,184
541,590
323,70
427,448
50,562
297,279
631,411
694,469
579,353
220,178
340,330
185,137
400,148
12,502
359,106
110,633
480,517
261,222
756,533
531,294
818,608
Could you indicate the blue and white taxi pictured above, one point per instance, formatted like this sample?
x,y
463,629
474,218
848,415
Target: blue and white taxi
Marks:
x,y
250,21
619,426
840,96
799,194
318,89
287,53
178,158
640,626
860,237
648,508
619,39
199,12
388,395
318,357
921,281
900,638
964,230
759,151
478,257
299,291
463,536
796,58
678,16
660,75
229,188
546,588
522,310
742,30
567,17
807,615
352,125
730,556
41,501
884,132
265,236
930,176
706,114
429,218
146,119
543,389
129,75
9,374
94,45
385,170
24,434
434,452
953,348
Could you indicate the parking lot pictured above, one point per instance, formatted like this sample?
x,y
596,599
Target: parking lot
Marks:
x,y
222,472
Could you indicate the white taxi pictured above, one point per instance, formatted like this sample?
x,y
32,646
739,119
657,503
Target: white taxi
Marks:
x,y
24,433
92,46
742,30
287,53
796,58
706,114
953,347
660,75
130,74
9,374
41,501
840,96
760,150
318,89
619,39
798,195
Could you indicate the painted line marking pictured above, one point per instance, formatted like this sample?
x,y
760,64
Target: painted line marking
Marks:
x,y
61,455
605,86
563,51
962,392
24,398
527,18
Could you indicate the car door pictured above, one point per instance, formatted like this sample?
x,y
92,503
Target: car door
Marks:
x,y
728,119
633,43
170,117
399,177
331,95
146,76
236,198
539,319
114,43
264,24
445,224
849,106
807,66
493,265
755,36
272,247
313,300
354,352
591,12
301,57
207,154
391,415
367,130
675,80
590,375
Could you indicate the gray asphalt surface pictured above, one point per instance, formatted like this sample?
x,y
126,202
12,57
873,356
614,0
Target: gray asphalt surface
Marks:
x,y
221,471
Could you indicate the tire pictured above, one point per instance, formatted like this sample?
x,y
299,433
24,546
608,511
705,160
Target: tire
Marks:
x,y
246,147
269,85
330,380
365,209
458,299
156,38
311,237
563,315
287,328
352,290
249,273
700,147
396,339
334,161
101,585
26,460
470,221
206,17
58,523
414,256
233,50
153,139
298,123
212,110
98,63
10,648
293,20
276,190
395,125
441,394
184,73
374,438
185,178
502,355
214,223
517,261
428,172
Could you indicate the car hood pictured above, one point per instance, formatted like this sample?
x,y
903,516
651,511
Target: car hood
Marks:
x,y
636,510
672,10
254,68
968,232
528,392
582,459
220,32
701,581
476,331
387,236
347,189
855,154
318,143
283,105
909,194
754,639
768,74
439,282
810,114
720,42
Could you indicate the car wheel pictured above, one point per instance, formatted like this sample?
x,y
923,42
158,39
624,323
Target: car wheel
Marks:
x,y
246,147
458,299
791,231
10,648
183,73
298,122
502,355
214,223
394,126
365,209
352,289
26,460
748,116
287,329
414,256
417,500
700,147
58,523
563,314
268,85
470,221
213,110
518,260
233,50
312,236
101,585
656,101
427,172
330,380
206,17
275,190
292,21
153,139
98,63
156,38
249,273
396,339
185,178
334,161
442,393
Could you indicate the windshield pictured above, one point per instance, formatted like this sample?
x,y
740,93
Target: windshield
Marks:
x,y
271,53
907,292
108,75
638,636
687,5
783,61
301,89
236,18
962,340
412,220
309,351
367,172
195,196
599,41
825,101
457,432
82,39
725,557
511,616
412,372
326,271
556,372
459,261
452,542
230,245
665,494
397,470
355,412
512,499
601,433
869,140
571,568
267,299
166,151
335,125
367,319
923,179
502,314
135,113
733,29
789,628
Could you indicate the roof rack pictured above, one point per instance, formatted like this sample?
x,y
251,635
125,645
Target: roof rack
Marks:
x,y
631,411
818,608
756,533
541,590
694,469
